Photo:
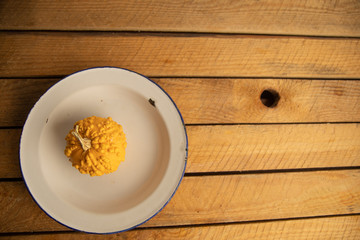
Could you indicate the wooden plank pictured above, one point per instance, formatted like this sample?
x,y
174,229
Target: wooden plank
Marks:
x,y
238,100
220,100
346,227
327,18
9,152
59,53
268,147
217,199
17,98
243,148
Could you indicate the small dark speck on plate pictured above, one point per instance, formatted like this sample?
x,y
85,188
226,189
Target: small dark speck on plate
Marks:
x,y
47,120
152,102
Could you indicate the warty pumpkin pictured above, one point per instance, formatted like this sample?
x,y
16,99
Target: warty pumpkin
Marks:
x,y
96,145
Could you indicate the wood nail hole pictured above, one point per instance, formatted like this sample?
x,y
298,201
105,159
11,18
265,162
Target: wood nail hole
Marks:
x,y
270,98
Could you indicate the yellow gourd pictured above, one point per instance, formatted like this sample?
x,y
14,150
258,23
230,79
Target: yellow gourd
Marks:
x,y
96,145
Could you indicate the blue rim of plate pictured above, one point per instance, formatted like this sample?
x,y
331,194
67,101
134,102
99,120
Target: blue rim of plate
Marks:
x,y
182,176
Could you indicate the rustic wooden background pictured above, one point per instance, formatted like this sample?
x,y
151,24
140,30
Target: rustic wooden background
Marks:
x,y
254,172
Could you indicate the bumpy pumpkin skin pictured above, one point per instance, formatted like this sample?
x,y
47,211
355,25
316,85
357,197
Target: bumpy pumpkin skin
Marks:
x,y
105,148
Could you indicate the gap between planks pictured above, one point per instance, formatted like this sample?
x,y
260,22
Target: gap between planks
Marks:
x,y
204,174
180,34
348,219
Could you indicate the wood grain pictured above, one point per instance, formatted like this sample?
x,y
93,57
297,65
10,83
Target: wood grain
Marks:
x,y
215,72
9,152
243,147
217,199
327,18
319,228
238,100
213,100
59,53
267,147
17,98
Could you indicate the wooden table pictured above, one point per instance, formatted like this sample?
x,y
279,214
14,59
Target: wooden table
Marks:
x,y
289,170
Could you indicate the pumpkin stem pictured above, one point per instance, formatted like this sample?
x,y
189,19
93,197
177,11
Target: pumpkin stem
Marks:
x,y
85,142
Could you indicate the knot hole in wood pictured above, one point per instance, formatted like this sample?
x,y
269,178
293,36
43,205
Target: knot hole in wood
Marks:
x,y
270,98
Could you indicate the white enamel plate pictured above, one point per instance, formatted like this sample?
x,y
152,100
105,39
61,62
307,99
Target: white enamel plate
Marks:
x,y
155,157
